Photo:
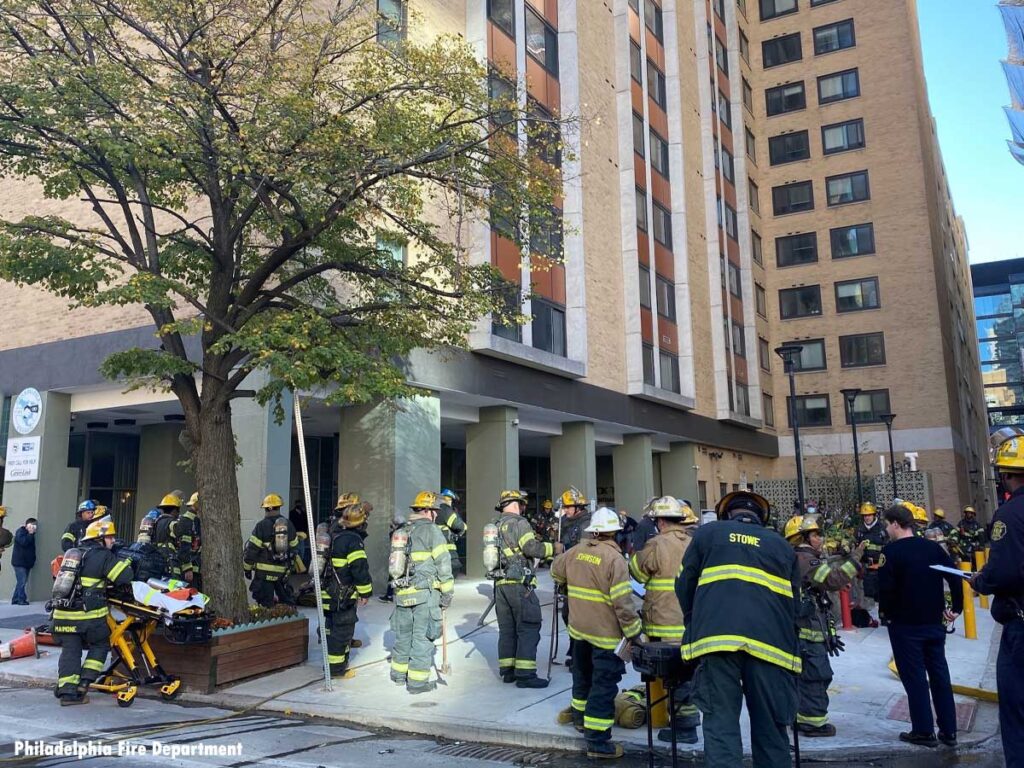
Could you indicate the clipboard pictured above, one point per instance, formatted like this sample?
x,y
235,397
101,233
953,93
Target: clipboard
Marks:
x,y
965,575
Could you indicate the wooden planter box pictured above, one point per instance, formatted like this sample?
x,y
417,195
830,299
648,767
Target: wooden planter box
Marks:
x,y
236,653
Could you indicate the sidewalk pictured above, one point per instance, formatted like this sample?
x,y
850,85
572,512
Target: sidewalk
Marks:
x,y
473,705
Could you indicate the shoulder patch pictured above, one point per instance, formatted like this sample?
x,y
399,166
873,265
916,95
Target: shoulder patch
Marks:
x,y
998,530
881,561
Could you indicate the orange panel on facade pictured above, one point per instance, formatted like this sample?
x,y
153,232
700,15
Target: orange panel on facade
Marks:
x,y
655,50
546,8
542,86
558,284
646,325
658,119
637,96
660,189
540,277
740,366
668,335
643,246
506,257
634,26
664,261
501,50
639,171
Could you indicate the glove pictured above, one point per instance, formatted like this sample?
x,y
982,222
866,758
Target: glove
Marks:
x,y
446,599
247,569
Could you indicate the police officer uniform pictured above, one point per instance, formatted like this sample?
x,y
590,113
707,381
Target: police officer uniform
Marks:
x,y
421,591
451,524
167,537
269,555
749,649
346,581
601,613
76,528
83,623
515,600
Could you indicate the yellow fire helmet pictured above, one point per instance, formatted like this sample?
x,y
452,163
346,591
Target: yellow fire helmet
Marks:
x,y
969,510
798,525
867,509
746,500
1008,449
940,513
548,505
98,529
572,497
424,500
507,497
3,511
354,515
170,501
272,501
347,499
193,500
919,513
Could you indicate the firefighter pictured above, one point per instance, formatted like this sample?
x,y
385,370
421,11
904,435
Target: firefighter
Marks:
x,y
970,534
346,582
738,589
515,599
421,569
189,530
75,529
79,609
817,629
167,538
270,554
601,613
656,567
872,534
920,517
576,516
451,524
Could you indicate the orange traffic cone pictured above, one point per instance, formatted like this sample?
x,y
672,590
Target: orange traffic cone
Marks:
x,y
23,646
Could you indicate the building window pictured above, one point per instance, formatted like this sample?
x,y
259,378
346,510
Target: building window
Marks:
x,y
702,494
855,295
662,226
847,188
748,96
669,371
842,137
653,19
503,14
811,357
721,56
720,9
869,406
645,287
641,210
992,304
755,248
659,154
504,218
503,94
648,355
793,198
768,410
772,8
789,147
742,407
744,47
546,234
764,355
666,297
838,86
751,145
804,301
543,136
761,298
548,327
785,98
815,3
391,21
811,411
636,62
731,228
656,85
857,240
638,134
541,42
724,111
755,197
793,250
399,252
635,5
834,37
728,166
735,281
862,349
781,50
511,302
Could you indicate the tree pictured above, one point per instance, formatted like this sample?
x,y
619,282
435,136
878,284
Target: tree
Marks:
x,y
246,167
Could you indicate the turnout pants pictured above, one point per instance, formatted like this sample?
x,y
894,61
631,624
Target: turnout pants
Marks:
x,y
72,672
720,684
416,628
263,591
1011,692
812,708
340,625
519,621
595,682
920,656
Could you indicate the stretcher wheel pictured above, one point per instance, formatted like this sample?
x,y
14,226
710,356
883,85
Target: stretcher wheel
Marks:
x,y
127,697
170,691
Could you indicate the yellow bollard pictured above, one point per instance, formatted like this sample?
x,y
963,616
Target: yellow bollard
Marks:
x,y
970,626
980,558
659,712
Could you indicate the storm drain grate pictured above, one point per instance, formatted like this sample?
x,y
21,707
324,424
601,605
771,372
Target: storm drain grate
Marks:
x,y
494,754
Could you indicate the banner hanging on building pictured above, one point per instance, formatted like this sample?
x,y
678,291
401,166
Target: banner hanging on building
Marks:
x,y
22,459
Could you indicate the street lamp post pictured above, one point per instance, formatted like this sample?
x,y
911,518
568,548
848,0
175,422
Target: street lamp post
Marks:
x,y
850,396
887,418
789,353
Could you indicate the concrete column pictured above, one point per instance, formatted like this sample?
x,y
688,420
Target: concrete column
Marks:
x,y
265,448
492,465
679,473
573,459
634,474
160,470
389,452
51,499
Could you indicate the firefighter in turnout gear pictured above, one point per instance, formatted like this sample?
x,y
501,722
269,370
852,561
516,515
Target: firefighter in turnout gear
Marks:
x,y
420,567
76,528
575,513
189,530
872,534
750,649
656,567
818,638
78,619
167,538
515,600
970,534
270,554
346,581
601,613
451,524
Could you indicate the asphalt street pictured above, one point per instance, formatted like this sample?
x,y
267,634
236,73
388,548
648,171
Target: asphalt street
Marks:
x,y
149,732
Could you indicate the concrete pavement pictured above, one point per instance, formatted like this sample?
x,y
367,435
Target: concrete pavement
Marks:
x,y
472,704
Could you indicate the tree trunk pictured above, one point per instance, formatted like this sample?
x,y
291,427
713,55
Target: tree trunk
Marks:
x,y
214,460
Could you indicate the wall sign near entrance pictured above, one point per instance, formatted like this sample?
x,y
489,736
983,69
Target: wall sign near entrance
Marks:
x,y
26,411
22,459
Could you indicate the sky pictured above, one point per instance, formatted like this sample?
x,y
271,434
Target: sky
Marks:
x,y
964,42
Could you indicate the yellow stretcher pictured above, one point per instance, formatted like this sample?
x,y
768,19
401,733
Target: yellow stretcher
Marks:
x,y
133,663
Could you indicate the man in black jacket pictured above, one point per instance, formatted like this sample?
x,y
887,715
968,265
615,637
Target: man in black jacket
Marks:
x,y
912,603
23,559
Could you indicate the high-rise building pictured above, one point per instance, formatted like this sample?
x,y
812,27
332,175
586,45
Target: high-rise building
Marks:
x,y
998,303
